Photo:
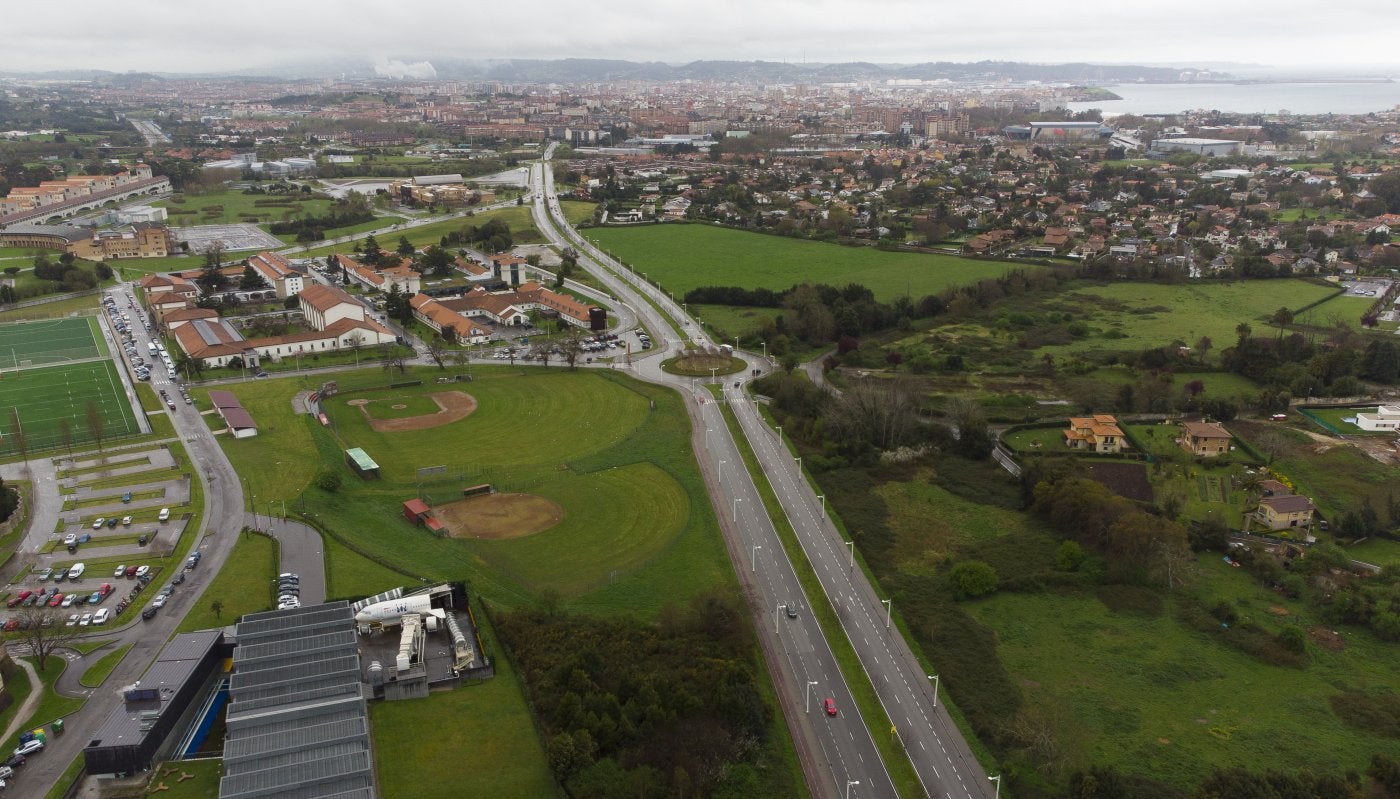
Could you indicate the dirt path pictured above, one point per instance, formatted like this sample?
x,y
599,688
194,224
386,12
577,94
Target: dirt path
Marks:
x,y
26,710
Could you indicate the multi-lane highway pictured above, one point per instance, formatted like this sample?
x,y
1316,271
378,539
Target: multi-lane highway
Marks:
x,y
941,758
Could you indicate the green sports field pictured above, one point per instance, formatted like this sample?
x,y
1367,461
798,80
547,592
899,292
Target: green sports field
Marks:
x,y
683,257
52,341
43,397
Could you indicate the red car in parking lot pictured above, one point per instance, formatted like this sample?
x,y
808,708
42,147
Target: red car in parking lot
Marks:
x,y
55,600
18,598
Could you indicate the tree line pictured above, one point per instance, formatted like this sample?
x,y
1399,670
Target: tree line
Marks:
x,y
634,709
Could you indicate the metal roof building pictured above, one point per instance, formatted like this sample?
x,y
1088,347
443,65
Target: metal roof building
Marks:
x,y
133,737
297,723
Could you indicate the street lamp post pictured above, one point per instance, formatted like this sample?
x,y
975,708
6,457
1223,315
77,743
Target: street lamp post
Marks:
x,y
849,783
822,497
737,500
852,563
776,608
809,695
934,677
997,780
765,349
889,607
799,462
753,557
721,472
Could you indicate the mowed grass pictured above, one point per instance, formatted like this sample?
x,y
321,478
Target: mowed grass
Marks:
x,y
729,321
52,310
242,586
398,407
576,211
683,257
49,342
1341,309
43,397
1150,696
98,672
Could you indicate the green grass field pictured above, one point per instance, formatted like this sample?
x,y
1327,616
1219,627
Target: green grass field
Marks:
x,y
242,586
55,309
230,207
1336,417
43,397
683,257
576,211
729,321
1341,309
397,407
1141,315
54,341
1152,697
97,673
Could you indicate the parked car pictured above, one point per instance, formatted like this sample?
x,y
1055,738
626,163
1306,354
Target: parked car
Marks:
x,y
101,616
160,602
46,573
126,521
69,600
70,539
165,512
141,540
97,525
112,523
149,613
121,571
142,571
18,598
72,620
56,600
76,570
178,578
85,620
11,624
126,497
29,747
130,572
95,597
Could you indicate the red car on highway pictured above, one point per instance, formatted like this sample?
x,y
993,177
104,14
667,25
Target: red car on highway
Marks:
x,y
830,705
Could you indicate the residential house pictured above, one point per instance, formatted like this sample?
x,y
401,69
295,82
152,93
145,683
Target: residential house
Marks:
x,y
1284,512
1097,433
1204,439
1385,417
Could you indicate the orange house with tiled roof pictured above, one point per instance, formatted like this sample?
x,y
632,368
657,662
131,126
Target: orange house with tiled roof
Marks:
x,y
1097,433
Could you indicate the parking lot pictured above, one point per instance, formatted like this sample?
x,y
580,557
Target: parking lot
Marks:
x,y
233,237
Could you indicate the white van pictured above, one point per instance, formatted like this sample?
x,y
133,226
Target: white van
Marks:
x,y
101,616
76,570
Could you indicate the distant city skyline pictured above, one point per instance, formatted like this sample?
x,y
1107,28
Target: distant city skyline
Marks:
x,y
1356,36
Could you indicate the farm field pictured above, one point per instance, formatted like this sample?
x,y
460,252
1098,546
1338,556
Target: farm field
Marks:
x,y
1145,693
44,397
1343,308
683,257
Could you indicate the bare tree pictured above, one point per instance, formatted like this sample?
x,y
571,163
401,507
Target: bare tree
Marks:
x,y
437,349
394,358
43,631
356,342
881,414
572,346
543,352
94,422
65,434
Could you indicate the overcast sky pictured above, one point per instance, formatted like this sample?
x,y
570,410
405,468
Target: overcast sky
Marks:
x,y
198,35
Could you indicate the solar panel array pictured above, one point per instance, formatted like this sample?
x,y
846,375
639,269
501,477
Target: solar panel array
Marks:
x,y
297,723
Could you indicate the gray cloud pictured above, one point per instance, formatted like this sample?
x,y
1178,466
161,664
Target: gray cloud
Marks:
x,y
182,36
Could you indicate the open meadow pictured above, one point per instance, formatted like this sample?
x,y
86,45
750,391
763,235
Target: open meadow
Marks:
x,y
683,257
232,205
522,231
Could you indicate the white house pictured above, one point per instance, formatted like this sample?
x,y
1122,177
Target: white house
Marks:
x,y
1386,417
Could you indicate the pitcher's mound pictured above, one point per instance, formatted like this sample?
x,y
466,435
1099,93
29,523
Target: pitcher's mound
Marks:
x,y
497,516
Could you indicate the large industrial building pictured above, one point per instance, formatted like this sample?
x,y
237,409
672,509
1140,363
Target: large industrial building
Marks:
x,y
138,733
297,722
1053,134
1212,147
